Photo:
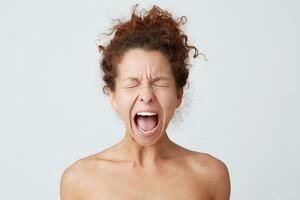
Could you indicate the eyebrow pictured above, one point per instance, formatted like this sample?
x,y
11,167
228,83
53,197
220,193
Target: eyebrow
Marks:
x,y
130,79
156,79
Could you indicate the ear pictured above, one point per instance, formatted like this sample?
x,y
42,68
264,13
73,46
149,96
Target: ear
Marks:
x,y
112,98
179,96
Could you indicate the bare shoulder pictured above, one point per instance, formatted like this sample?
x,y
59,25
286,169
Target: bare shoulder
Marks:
x,y
215,172
70,180
77,176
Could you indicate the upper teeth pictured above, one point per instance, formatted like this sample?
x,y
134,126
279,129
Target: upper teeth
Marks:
x,y
146,113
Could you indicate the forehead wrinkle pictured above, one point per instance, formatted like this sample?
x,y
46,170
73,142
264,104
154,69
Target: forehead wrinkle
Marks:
x,y
147,73
154,72
150,68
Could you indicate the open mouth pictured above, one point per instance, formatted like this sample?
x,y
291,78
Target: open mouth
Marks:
x,y
146,122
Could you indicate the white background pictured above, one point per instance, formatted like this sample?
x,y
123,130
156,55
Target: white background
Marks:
x,y
242,106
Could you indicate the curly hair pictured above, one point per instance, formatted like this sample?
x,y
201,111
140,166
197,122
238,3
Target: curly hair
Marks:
x,y
150,30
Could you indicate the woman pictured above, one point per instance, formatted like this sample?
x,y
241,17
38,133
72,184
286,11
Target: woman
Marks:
x,y
145,68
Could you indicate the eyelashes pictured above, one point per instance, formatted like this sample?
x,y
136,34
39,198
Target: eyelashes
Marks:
x,y
132,86
161,85
155,85
158,83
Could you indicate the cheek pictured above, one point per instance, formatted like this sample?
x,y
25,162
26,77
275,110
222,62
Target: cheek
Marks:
x,y
168,101
125,102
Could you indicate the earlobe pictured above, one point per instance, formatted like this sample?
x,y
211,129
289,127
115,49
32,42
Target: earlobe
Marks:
x,y
113,100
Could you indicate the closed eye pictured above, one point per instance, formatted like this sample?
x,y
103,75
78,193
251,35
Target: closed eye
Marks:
x,y
131,83
161,83
132,86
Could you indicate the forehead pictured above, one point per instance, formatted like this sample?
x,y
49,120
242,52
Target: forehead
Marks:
x,y
139,62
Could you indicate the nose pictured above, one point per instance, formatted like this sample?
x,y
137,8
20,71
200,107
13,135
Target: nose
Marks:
x,y
146,95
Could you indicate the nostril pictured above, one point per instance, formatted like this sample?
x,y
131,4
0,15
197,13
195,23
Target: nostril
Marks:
x,y
147,98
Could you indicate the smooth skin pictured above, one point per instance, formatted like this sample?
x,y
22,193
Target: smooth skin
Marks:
x,y
146,168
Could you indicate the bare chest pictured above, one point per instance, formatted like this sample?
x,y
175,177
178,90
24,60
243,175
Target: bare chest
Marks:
x,y
174,185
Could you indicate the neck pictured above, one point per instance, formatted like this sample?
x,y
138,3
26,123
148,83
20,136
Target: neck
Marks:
x,y
140,156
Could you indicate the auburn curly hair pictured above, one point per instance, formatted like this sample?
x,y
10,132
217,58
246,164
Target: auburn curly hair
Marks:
x,y
150,30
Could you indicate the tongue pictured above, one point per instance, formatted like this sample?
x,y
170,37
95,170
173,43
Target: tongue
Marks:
x,y
146,123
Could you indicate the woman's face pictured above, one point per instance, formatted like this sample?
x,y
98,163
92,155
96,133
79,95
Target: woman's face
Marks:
x,y
145,95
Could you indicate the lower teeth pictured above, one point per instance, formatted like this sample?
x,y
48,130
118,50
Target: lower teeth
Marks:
x,y
146,131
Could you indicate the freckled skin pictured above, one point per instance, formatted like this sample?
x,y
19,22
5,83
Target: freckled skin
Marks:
x,y
140,167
